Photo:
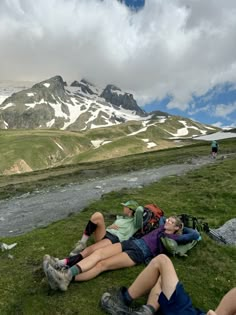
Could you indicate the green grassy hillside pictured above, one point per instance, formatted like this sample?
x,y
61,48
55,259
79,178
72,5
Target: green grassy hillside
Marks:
x,y
24,151
207,273
30,150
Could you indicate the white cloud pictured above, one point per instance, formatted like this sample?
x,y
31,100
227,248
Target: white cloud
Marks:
x,y
222,110
174,47
218,110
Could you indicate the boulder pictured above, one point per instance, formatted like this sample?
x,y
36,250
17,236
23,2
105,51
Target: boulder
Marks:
x,y
226,234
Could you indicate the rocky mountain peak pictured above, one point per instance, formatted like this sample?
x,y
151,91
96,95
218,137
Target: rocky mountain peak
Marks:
x,y
53,85
84,85
115,96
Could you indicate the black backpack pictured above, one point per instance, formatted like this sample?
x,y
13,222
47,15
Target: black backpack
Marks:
x,y
194,222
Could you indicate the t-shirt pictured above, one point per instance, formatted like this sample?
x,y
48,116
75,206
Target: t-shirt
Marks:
x,y
214,144
127,225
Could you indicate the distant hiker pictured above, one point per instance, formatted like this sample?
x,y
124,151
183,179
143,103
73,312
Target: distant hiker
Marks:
x,y
120,255
160,281
121,229
214,149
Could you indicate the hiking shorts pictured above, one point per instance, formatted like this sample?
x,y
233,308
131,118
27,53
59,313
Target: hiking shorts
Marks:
x,y
178,304
113,238
137,250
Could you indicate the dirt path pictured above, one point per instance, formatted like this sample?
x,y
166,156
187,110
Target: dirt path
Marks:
x,y
22,214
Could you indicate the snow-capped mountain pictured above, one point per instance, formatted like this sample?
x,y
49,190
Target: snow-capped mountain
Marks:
x,y
82,106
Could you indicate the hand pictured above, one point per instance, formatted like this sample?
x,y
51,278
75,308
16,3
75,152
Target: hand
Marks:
x,y
210,312
114,227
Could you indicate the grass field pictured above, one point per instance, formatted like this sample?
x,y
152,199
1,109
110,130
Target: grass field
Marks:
x,y
207,273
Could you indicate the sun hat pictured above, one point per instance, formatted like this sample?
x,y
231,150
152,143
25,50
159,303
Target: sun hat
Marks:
x,y
133,205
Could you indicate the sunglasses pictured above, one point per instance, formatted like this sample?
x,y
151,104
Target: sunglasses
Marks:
x,y
171,221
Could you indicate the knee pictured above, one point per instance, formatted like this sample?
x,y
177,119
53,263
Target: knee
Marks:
x,y
102,266
97,217
95,256
161,259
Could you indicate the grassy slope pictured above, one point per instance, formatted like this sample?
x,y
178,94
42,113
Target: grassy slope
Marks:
x,y
26,150
207,273
39,149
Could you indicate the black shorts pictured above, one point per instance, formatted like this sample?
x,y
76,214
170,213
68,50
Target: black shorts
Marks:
x,y
137,250
113,238
214,150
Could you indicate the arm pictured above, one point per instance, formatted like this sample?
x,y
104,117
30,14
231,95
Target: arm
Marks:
x,y
138,217
162,220
188,236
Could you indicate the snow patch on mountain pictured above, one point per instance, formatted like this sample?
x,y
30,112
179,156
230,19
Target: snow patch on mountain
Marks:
x,y
59,146
217,136
182,132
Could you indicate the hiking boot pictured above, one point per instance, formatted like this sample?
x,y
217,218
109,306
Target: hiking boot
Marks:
x,y
144,310
58,278
54,262
113,304
51,282
79,247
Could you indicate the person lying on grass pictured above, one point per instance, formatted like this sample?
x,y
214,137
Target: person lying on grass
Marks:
x,y
121,229
120,255
165,293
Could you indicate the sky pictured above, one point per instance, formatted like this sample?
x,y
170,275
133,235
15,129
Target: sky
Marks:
x,y
178,56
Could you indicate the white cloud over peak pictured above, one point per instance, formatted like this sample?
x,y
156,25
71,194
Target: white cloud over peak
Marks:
x,y
179,48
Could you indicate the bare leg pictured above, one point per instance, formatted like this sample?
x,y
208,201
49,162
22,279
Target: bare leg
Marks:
x,y
100,231
121,260
95,226
227,305
90,249
148,280
100,254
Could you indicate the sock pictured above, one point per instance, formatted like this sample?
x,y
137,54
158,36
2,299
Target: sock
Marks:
x,y
75,270
73,260
62,262
127,298
90,228
84,238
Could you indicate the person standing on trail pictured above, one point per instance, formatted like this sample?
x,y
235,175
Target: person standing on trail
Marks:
x,y
214,149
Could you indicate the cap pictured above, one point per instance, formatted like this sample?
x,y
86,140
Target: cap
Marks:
x,y
133,205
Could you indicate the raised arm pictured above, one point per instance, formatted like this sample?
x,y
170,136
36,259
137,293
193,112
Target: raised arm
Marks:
x,y
138,217
188,236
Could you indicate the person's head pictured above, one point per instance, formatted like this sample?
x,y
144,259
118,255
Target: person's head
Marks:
x,y
174,225
130,207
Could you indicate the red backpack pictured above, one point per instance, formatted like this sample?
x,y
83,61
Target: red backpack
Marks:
x,y
151,217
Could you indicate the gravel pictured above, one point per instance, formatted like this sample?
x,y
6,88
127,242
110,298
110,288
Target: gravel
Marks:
x,y
29,211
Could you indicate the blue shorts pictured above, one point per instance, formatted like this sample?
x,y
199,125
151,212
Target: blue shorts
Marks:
x,y
178,304
137,250
113,238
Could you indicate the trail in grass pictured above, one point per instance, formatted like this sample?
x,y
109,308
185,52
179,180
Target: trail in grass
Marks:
x,y
22,214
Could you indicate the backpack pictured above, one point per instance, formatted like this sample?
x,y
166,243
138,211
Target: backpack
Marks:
x,y
194,222
151,217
